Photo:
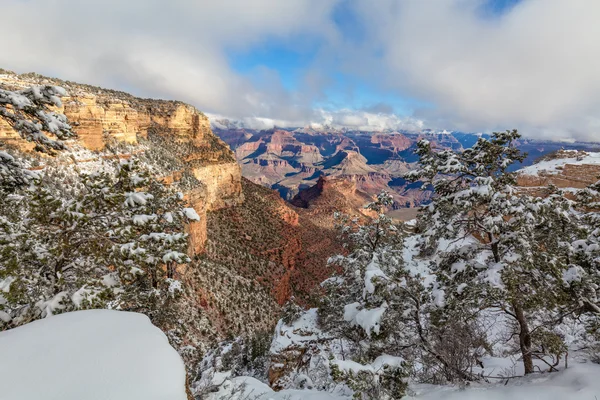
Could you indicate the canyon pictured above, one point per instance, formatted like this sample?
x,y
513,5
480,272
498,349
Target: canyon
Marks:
x,y
251,250
266,199
291,160
567,170
100,115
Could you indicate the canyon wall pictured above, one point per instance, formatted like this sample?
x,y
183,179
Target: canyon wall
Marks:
x,y
98,115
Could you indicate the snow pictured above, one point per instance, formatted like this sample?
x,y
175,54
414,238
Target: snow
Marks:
x,y
143,219
52,306
554,166
301,332
243,388
191,214
579,382
5,156
352,366
378,365
493,275
5,283
573,274
133,199
90,355
175,286
350,311
176,256
368,319
387,360
372,271
439,295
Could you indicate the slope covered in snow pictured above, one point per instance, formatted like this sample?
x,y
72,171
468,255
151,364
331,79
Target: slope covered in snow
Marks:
x,y
90,355
579,382
244,387
554,166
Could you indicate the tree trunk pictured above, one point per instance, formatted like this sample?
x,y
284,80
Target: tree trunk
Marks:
x,y
494,246
524,338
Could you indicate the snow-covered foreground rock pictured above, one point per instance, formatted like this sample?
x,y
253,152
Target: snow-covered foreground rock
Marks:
x,y
90,355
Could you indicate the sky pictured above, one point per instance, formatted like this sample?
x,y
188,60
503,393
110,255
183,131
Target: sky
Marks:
x,y
468,65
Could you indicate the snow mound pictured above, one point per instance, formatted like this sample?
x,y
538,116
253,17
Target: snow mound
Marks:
x,y
554,166
244,387
90,355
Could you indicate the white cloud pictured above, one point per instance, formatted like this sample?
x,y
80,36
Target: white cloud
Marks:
x,y
175,49
323,119
534,67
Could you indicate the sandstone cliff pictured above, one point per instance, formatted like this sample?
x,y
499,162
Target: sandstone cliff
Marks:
x,y
98,115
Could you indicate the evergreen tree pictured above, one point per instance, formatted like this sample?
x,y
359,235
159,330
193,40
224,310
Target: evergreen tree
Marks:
x,y
28,112
114,242
363,309
382,309
497,249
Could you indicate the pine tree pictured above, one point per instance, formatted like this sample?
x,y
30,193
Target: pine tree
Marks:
x,y
498,249
115,242
362,307
28,112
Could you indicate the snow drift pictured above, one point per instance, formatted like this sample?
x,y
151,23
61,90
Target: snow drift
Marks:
x,y
90,355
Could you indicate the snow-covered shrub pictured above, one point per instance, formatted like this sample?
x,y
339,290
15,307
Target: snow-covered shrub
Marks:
x,y
291,311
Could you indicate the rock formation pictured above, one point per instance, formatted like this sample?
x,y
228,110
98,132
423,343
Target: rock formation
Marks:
x,y
98,115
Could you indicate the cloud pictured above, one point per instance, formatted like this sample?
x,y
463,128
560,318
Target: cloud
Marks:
x,y
380,108
325,119
535,67
176,49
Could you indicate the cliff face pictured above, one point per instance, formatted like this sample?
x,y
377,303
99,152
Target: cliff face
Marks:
x,y
97,114
281,248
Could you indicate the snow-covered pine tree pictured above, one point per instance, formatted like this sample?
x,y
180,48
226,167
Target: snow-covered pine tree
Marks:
x,y
360,307
113,242
28,112
583,275
380,308
493,244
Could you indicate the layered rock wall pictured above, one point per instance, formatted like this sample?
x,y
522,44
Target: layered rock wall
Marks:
x,y
97,115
